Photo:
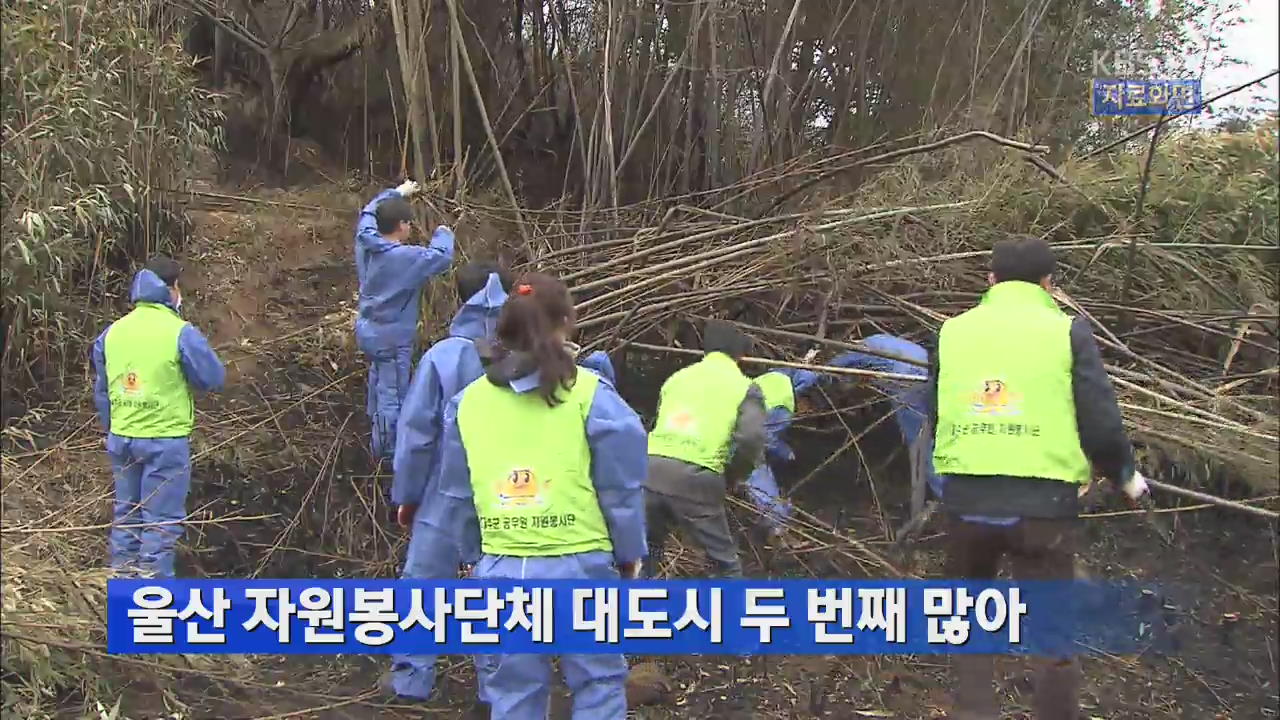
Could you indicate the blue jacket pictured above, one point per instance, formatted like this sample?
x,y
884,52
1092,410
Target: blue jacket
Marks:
x,y
391,277
909,399
619,463
444,370
200,364
600,363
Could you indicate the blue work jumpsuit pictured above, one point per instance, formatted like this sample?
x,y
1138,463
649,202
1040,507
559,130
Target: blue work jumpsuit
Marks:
x,y
152,475
519,686
391,277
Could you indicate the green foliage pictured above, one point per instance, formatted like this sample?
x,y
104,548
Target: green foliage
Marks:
x,y
97,110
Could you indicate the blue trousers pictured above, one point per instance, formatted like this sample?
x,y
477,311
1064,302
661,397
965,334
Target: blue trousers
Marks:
x,y
432,555
152,478
519,687
390,373
762,488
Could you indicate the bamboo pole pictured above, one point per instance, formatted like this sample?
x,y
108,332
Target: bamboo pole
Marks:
x,y
488,127
459,171
416,120
1214,500
419,21
770,362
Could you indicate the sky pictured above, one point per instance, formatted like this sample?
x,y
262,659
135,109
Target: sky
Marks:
x,y
1256,43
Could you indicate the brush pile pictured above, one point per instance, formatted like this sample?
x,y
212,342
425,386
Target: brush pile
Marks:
x,y
1176,272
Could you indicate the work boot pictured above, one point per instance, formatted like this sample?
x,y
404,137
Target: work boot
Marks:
x,y
975,691
1057,692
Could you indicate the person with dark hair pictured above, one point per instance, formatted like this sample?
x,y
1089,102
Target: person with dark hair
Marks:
x,y
541,477
1023,415
443,371
708,437
145,366
391,274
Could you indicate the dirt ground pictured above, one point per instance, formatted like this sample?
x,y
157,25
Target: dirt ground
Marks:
x,y
274,288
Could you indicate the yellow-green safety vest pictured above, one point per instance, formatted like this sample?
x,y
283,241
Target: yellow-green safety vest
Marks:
x,y
1005,401
697,411
147,389
777,390
531,470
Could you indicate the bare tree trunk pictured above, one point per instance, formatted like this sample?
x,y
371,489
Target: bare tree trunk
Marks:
x,y
763,148
416,119
562,29
611,166
455,63
418,21
488,128
712,112
221,49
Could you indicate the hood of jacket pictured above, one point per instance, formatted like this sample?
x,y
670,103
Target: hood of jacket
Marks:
x,y
478,317
149,288
374,242
503,366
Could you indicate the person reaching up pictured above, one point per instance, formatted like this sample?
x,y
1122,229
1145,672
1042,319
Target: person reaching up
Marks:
x,y
392,273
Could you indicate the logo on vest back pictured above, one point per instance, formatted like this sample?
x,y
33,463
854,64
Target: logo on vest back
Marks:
x,y
995,398
132,385
520,489
682,422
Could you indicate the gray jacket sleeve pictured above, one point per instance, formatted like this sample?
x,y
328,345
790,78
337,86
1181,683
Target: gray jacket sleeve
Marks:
x,y
746,447
1098,417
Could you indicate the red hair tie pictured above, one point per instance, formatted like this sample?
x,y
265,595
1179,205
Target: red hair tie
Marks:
x,y
524,289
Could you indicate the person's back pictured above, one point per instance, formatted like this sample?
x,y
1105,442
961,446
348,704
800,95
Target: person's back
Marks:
x,y
444,370
697,412
391,274
908,399
146,365
1023,415
541,478
707,437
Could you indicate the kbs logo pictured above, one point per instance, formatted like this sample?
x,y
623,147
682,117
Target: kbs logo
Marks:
x,y
1122,63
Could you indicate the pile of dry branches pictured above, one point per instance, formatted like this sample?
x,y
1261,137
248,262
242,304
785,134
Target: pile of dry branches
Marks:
x,y
1185,313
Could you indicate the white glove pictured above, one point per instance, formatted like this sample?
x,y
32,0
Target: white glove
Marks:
x,y
1136,487
407,188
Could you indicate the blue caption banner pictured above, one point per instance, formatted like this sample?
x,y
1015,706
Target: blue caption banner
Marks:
x,y
1113,97
679,617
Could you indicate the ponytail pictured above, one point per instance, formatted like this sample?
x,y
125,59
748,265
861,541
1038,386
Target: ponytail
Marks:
x,y
538,307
